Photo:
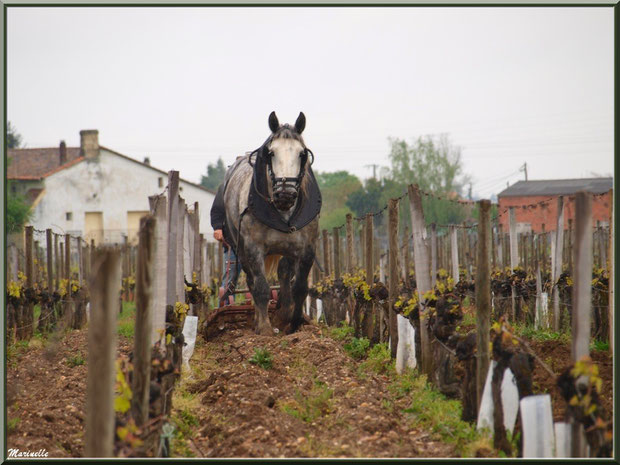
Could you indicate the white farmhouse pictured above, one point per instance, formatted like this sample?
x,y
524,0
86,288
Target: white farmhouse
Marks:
x,y
94,192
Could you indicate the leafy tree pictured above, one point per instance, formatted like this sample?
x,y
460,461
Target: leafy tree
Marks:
x,y
13,138
332,218
366,199
434,164
215,175
18,211
335,189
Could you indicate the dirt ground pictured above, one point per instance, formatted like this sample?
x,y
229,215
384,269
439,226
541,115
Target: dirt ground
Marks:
x,y
312,402
557,357
46,395
242,408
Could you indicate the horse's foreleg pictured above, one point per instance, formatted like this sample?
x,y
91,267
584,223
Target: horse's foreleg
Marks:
x,y
285,298
300,288
254,262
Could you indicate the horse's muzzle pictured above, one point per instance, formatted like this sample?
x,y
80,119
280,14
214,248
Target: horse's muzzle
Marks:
x,y
284,199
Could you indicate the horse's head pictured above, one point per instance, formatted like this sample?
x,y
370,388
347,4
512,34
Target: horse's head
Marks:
x,y
287,157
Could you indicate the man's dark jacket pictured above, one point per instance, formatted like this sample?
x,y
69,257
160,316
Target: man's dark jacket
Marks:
x,y
218,213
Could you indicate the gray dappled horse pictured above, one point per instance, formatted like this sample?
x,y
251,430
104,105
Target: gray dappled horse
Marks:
x,y
272,203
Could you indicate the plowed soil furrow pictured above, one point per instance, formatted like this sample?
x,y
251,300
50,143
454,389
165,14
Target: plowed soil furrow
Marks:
x,y
312,402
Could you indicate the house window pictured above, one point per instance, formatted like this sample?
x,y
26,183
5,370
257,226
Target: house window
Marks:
x,y
13,188
160,181
69,216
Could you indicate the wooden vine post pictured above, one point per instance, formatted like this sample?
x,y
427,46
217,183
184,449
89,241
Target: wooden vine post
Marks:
x,y
582,297
368,230
124,271
27,322
173,221
422,272
326,253
158,205
56,261
543,249
569,240
514,257
407,259
104,287
50,264
557,267
500,246
68,299
336,237
454,249
197,258
141,379
350,258
393,272
483,296
433,254
610,270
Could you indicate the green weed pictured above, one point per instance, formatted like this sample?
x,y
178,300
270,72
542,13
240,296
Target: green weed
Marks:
x,y
357,348
262,357
11,425
379,360
126,320
310,406
541,334
432,411
75,360
599,345
342,333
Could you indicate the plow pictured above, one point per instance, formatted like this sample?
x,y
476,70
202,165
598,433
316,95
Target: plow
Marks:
x,y
237,314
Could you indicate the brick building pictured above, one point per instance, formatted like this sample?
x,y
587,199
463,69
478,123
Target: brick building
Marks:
x,y
536,202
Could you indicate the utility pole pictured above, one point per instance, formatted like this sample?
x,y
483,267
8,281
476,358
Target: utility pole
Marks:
x,y
374,169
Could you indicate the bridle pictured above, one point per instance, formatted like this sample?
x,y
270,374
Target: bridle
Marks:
x,y
280,183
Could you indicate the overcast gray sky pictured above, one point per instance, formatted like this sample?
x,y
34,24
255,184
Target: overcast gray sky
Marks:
x,y
184,86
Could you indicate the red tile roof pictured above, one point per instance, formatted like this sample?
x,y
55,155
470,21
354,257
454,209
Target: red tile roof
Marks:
x,y
38,163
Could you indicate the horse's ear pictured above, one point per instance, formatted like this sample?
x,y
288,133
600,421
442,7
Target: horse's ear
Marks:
x,y
274,124
300,124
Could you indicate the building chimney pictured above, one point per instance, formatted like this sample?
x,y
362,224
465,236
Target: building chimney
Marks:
x,y
89,143
147,161
63,152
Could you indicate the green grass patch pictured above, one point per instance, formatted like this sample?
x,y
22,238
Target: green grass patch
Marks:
x,y
11,425
379,360
127,320
310,406
343,332
599,345
14,352
357,348
426,407
262,357
541,334
431,410
75,360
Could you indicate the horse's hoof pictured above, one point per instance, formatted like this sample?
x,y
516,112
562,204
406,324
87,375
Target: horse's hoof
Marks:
x,y
292,327
265,330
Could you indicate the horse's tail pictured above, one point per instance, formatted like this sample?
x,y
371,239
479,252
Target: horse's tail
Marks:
x,y
271,265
